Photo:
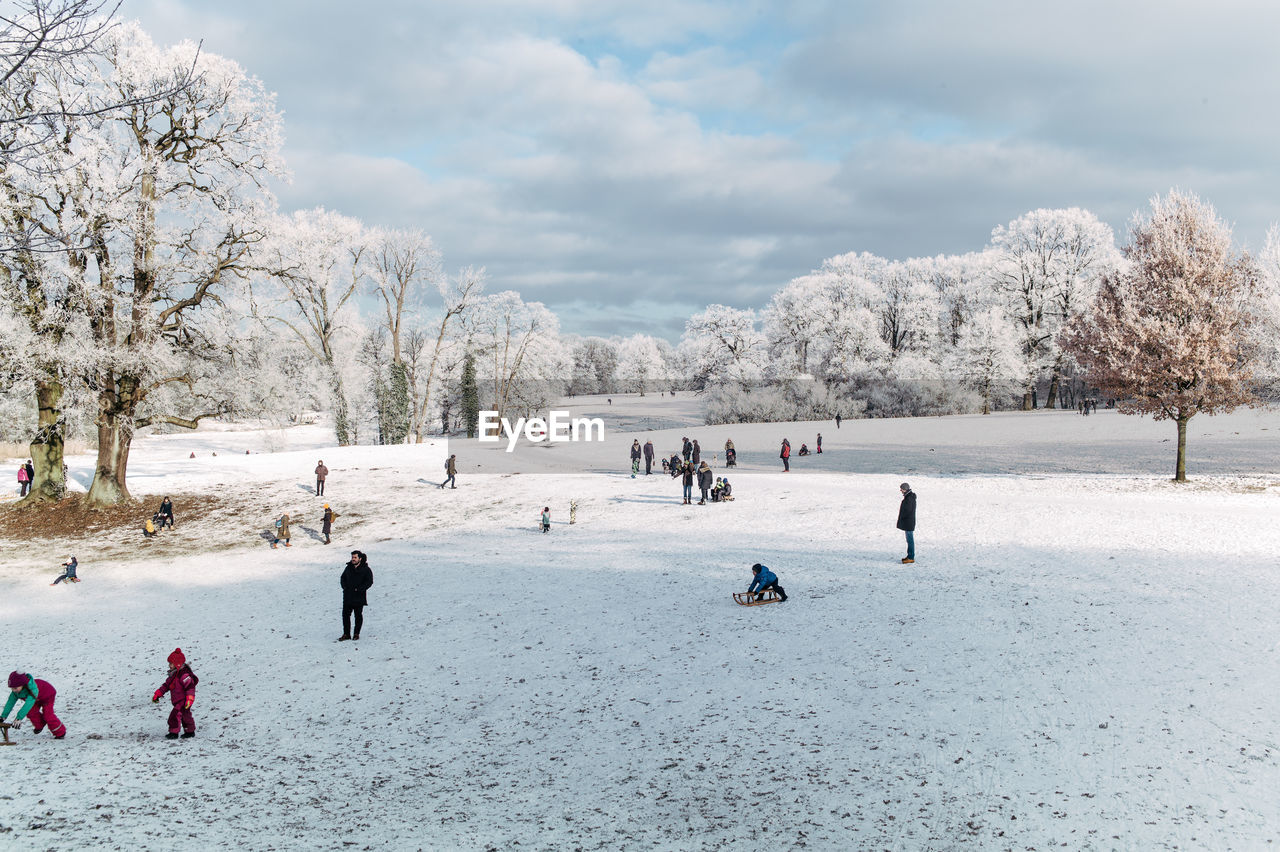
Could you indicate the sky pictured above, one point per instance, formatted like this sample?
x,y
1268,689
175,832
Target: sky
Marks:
x,y
630,163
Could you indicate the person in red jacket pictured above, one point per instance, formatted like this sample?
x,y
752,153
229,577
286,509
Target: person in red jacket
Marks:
x,y
181,686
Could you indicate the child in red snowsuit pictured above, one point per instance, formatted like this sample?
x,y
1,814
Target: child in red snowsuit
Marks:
x,y
37,704
181,686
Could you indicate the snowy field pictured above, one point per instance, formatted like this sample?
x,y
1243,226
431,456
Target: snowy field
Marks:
x,y
1084,656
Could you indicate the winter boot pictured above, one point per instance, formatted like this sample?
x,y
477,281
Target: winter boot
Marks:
x,y
188,735
907,561
344,637
171,736
355,637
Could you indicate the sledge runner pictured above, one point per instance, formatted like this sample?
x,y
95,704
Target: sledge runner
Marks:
x,y
181,686
37,704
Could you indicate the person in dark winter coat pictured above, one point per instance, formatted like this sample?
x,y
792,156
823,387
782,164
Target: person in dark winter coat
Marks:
x,y
181,686
687,481
635,457
674,466
705,480
165,513
837,421
451,472
37,704
763,580
804,449
322,473
907,520
819,443
356,580
687,449
648,457
68,572
785,455
730,454
326,523
697,453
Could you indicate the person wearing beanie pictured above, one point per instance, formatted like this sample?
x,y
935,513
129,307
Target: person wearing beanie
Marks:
x,y
326,524
37,704
907,521
764,580
68,572
181,686
356,580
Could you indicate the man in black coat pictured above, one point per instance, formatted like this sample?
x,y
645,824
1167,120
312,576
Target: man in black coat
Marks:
x,y
705,481
357,578
687,449
648,457
907,521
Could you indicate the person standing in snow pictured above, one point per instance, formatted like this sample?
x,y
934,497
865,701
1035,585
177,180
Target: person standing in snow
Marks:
x,y
819,443
907,521
450,472
68,572
785,455
837,420
688,483
24,484
764,580
326,523
635,457
648,457
356,580
282,532
322,473
37,704
705,480
546,519
181,686
697,453
165,513
687,449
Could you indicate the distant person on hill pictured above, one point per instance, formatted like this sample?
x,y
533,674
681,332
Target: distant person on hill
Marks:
x,y
37,704
764,580
687,482
282,531
451,472
648,457
785,455
24,483
804,449
705,480
635,457
730,454
326,522
907,521
68,573
697,452
546,519
819,443
165,513
837,420
356,580
322,473
181,686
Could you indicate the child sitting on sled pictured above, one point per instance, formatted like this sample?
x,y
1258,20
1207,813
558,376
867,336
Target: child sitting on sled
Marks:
x,y
764,581
149,527
68,573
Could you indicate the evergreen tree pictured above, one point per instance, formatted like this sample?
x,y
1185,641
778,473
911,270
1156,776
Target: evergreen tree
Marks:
x,y
470,397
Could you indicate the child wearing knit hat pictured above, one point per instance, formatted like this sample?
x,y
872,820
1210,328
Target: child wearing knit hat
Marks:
x,y
181,686
37,704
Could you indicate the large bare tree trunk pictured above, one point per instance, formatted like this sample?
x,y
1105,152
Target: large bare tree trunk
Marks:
x,y
49,484
1052,400
116,407
1180,472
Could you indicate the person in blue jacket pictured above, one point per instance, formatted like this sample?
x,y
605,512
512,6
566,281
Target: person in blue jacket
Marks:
x,y
763,581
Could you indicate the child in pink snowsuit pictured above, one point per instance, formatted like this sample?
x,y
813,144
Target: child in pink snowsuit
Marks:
x,y
37,704
181,686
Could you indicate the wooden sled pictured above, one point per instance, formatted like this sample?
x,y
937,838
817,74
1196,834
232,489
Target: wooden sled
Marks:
x,y
4,731
749,598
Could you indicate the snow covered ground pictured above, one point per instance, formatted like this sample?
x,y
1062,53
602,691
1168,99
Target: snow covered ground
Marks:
x,y
1084,656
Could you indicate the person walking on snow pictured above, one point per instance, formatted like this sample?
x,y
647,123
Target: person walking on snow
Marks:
x,y
635,457
765,580
37,704
785,455
648,457
907,521
282,531
705,480
326,523
68,573
451,472
688,483
356,580
322,473
181,686
546,519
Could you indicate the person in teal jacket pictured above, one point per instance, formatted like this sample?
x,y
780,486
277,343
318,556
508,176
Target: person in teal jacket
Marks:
x,y
37,704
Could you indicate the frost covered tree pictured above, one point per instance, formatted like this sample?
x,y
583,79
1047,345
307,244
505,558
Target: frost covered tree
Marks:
x,y
595,361
430,346
519,352
1169,334
317,258
987,358
722,344
641,366
1048,264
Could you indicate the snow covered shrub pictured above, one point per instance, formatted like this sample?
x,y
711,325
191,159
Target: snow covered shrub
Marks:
x,y
799,399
